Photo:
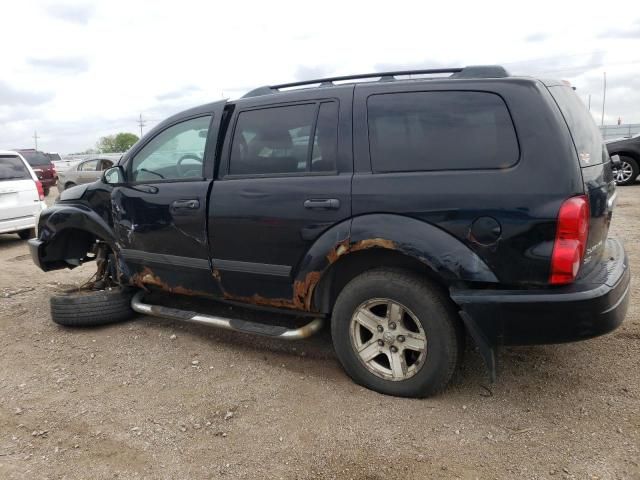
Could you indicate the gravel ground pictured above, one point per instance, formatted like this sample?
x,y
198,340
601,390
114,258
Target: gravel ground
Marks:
x,y
159,399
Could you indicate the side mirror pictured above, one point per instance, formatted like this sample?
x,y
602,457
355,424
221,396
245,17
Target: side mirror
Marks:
x,y
113,175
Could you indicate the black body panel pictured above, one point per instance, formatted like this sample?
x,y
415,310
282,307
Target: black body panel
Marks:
x,y
595,305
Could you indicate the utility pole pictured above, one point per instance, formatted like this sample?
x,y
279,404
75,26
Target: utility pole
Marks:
x,y
36,137
141,123
604,95
589,102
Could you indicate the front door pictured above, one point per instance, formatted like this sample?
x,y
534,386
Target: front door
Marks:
x,y
160,213
285,179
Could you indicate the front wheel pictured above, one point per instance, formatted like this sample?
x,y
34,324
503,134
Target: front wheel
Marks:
x,y
88,308
627,172
396,333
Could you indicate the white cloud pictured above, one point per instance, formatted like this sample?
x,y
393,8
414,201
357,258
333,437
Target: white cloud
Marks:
x,y
119,58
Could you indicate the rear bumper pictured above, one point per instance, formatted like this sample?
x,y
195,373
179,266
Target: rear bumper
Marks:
x,y
593,306
17,224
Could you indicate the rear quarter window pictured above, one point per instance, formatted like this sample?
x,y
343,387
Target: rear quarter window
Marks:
x,y
584,131
427,131
13,168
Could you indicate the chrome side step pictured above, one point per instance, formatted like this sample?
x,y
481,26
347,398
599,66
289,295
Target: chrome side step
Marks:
x,y
235,324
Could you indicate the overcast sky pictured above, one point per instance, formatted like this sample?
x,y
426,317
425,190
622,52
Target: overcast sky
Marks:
x,y
75,71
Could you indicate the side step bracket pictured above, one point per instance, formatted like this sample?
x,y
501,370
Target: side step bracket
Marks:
x,y
234,324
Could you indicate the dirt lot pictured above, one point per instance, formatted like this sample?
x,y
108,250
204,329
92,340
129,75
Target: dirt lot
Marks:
x,y
159,399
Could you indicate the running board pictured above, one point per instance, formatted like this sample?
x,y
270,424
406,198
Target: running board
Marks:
x,y
234,324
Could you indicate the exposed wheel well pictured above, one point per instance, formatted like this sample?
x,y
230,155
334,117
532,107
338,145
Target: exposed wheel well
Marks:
x,y
69,185
350,266
632,155
69,248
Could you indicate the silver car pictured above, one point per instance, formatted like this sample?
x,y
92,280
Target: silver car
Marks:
x,y
87,171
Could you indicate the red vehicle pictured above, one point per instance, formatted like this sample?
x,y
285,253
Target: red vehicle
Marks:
x,y
42,166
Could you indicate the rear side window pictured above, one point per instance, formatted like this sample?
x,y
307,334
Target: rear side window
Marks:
x,y
585,133
285,140
426,131
12,168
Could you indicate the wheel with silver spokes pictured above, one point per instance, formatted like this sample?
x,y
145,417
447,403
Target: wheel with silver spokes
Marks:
x,y
626,172
388,338
396,333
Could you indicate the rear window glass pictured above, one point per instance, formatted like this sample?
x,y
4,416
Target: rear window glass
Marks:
x,y
36,158
12,168
423,131
585,133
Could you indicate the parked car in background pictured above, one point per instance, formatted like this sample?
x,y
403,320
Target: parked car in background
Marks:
x,y
628,149
42,166
53,156
86,171
21,196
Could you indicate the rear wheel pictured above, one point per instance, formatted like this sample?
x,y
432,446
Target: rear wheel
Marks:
x,y
396,333
69,185
46,190
27,234
89,308
627,172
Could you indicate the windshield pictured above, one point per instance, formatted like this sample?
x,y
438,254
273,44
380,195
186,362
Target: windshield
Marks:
x,y
54,156
36,158
12,168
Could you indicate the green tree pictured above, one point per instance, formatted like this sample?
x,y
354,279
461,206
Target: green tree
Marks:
x,y
120,142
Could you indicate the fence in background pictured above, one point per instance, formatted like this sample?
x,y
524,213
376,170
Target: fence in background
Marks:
x,y
619,131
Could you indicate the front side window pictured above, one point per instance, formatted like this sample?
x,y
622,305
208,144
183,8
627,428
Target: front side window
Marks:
x,y
285,140
426,131
175,154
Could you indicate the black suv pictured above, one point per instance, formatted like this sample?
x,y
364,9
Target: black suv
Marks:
x,y
407,211
628,149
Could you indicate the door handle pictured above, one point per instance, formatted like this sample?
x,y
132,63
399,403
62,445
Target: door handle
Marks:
x,y
185,204
325,203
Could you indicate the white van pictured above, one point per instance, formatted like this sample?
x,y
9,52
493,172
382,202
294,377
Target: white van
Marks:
x,y
21,196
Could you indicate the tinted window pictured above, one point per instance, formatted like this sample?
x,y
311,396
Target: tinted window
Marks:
x,y
12,168
417,131
176,153
272,140
585,133
36,158
325,144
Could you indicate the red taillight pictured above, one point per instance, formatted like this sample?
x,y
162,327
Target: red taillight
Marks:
x,y
571,240
40,190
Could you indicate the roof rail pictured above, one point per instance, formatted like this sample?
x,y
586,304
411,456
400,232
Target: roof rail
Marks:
x,y
475,71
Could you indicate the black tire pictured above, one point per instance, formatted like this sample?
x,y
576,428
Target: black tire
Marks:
x,y
46,190
431,307
634,169
27,234
69,185
91,307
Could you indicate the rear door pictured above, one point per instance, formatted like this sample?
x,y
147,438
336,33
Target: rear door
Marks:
x,y
595,165
285,178
18,193
88,171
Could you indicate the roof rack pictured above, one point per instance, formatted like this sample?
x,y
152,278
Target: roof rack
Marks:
x,y
475,71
